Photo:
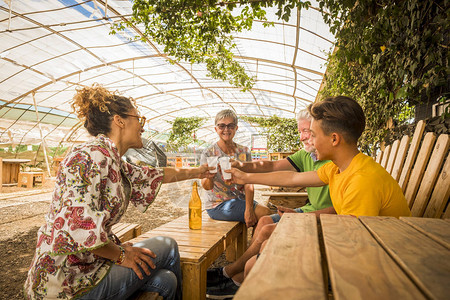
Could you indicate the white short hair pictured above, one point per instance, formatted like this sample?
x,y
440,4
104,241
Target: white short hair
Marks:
x,y
226,113
304,115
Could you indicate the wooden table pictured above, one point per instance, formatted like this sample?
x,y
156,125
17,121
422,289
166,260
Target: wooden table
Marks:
x,y
10,169
200,248
365,258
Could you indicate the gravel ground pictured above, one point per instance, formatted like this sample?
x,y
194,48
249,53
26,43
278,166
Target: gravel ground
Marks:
x,y
22,213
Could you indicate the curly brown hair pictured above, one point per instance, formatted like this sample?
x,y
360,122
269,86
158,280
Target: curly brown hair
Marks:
x,y
340,114
96,106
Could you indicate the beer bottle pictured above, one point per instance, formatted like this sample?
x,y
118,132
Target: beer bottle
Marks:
x,y
195,209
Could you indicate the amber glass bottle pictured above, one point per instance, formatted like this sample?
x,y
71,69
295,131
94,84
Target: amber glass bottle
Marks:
x,y
195,209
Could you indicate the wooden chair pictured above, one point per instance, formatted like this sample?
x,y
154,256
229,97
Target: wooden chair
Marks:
x,y
422,170
29,179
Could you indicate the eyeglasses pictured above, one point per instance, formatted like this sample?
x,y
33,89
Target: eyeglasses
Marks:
x,y
222,126
141,119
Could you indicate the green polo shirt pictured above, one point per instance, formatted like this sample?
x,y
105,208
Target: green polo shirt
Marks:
x,y
319,197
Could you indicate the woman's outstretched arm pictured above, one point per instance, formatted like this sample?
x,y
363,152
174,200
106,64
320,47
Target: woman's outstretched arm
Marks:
x,y
178,174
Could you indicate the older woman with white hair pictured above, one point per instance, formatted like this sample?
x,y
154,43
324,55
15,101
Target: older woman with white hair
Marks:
x,y
230,202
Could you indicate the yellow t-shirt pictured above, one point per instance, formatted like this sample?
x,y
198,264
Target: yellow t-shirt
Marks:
x,y
365,188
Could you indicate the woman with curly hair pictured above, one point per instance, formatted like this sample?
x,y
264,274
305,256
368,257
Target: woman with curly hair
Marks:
x,y
77,255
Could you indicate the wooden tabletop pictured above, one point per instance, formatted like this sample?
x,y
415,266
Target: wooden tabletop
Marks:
x,y
364,258
194,245
15,160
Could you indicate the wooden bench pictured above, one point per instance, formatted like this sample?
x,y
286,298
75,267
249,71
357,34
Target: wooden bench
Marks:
x,y
364,258
200,248
126,231
421,166
29,179
287,199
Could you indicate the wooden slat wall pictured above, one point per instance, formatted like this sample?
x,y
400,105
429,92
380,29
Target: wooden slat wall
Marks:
x,y
402,243
430,176
379,157
419,167
386,155
446,214
392,156
412,152
441,193
400,159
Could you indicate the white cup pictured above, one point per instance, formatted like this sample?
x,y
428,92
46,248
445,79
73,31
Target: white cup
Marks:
x,y
212,162
225,165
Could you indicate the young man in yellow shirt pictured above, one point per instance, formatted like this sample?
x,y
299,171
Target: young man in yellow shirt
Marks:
x,y
358,185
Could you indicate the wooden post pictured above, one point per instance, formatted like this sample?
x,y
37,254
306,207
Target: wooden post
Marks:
x,y
1,174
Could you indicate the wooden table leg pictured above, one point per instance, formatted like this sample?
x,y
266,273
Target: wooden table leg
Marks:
x,y
242,241
231,250
194,280
238,244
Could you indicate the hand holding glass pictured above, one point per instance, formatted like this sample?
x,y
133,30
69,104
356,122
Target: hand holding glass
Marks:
x,y
212,162
225,165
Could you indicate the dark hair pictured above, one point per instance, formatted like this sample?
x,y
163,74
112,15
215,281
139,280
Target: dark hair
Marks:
x,y
340,114
96,106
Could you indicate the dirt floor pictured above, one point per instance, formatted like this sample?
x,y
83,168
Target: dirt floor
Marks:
x,y
22,213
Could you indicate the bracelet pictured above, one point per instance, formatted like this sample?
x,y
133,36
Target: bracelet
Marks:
x,y
121,258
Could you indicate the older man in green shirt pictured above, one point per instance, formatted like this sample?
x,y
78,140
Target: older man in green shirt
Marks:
x,y
224,282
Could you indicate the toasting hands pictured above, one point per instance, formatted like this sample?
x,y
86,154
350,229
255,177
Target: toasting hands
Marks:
x,y
237,176
204,171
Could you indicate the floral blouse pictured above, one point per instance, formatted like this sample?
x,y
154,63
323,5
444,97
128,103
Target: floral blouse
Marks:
x,y
89,198
222,191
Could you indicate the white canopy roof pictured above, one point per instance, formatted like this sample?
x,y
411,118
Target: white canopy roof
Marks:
x,y
50,47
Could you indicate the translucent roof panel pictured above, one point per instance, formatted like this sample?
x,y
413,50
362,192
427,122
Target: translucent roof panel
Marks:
x,y
52,47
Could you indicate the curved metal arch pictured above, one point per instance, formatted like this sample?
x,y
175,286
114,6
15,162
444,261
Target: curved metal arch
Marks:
x,y
214,103
274,62
268,61
176,96
228,87
282,44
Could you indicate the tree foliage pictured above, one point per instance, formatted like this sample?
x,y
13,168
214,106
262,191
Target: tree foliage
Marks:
x,y
183,132
282,134
201,31
389,54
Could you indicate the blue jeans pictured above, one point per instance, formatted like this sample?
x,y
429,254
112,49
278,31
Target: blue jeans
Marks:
x,y
165,279
276,217
230,210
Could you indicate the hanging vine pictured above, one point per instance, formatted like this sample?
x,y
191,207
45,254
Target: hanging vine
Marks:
x,y
389,53
282,134
183,132
200,31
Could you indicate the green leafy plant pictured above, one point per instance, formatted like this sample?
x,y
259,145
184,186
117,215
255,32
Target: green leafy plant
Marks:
x,y
200,31
282,134
182,133
389,54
